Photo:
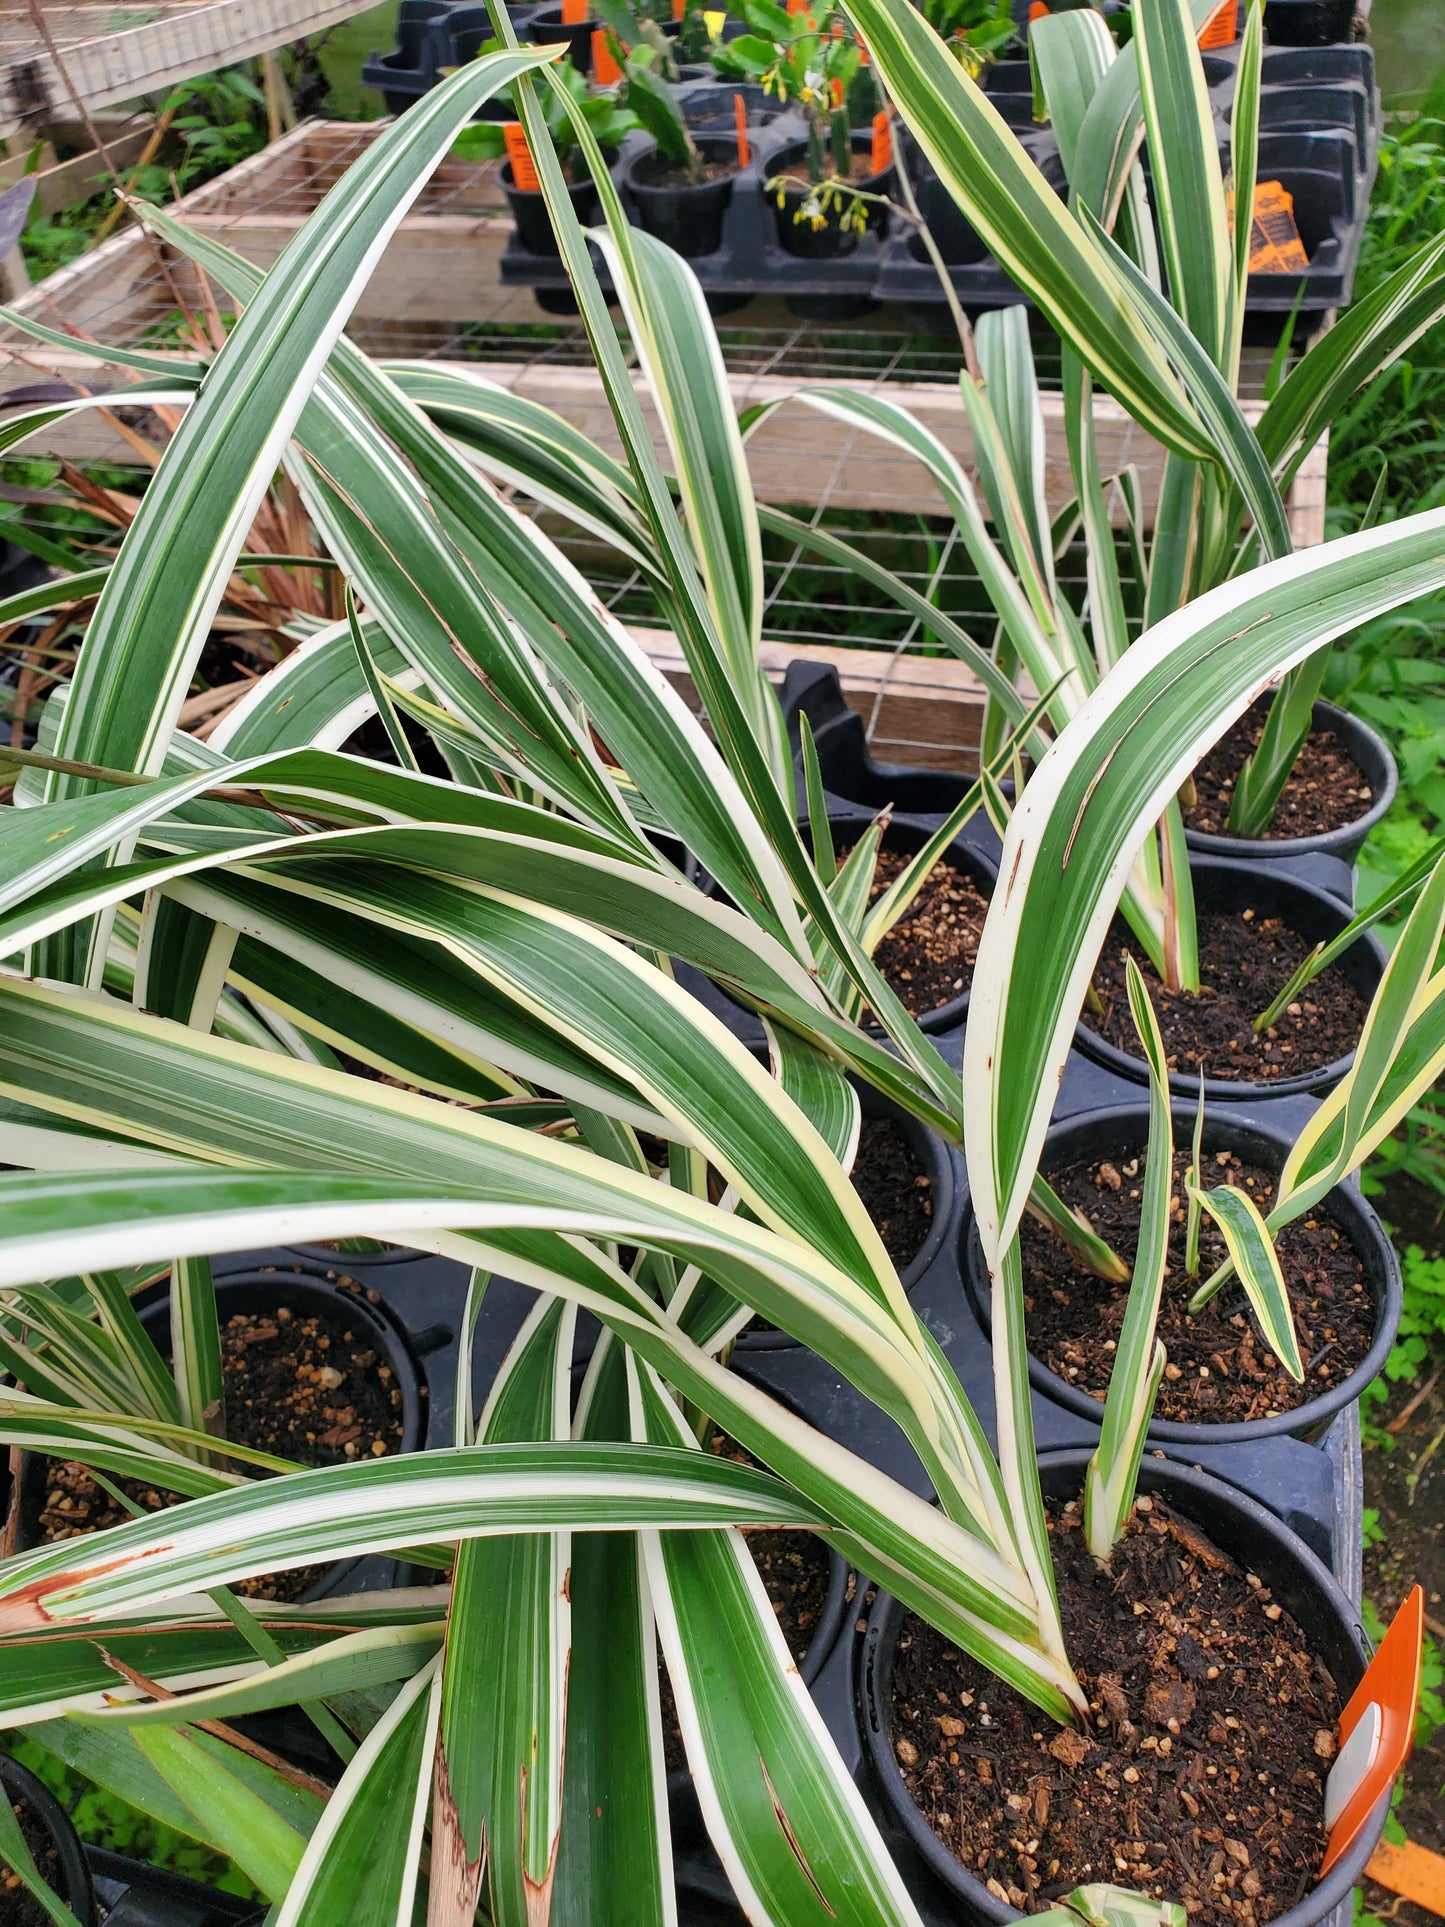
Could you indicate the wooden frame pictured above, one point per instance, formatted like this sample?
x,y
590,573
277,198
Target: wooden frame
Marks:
x,y
107,61
440,275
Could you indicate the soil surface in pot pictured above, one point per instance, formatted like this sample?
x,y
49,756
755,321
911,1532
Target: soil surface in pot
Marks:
x,y
1200,1777
310,1389
1244,961
1326,791
795,1570
927,958
897,1194
19,1908
655,170
1220,1370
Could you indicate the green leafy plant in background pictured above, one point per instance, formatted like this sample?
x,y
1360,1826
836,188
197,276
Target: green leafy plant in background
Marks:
x,y
213,122
104,1820
607,117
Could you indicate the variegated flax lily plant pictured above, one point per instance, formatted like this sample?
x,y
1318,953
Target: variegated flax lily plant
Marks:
x,y
199,937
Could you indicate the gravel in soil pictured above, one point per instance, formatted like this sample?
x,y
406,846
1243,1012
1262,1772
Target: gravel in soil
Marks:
x,y
1200,1775
889,1177
304,1388
927,958
18,1908
1219,1370
1244,961
1326,790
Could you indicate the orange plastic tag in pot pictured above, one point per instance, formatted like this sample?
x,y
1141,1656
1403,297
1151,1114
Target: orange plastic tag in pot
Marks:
x,y
574,12
740,121
1275,246
679,9
881,158
1221,29
1376,1729
1038,10
605,70
524,174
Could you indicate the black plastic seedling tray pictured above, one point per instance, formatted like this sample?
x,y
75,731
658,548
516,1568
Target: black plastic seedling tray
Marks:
x,y
1319,132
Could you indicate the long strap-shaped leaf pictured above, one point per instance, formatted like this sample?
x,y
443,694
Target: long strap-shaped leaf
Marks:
x,y
794,1835
981,163
1188,183
340,1511
1097,794
363,1860
497,1804
952,1576
156,608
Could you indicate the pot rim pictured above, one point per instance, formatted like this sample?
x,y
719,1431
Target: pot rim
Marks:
x,y
1343,842
1223,1090
1346,1206
77,1888
886,1614
702,142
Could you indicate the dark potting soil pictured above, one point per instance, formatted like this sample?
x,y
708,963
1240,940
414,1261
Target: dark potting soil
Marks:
x,y
303,1388
927,958
1244,961
1327,788
655,170
1219,1370
1200,1775
889,1177
18,1908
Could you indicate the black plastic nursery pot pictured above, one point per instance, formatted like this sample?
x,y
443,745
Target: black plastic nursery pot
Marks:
x,y
137,1895
905,836
1119,1133
1368,751
313,1296
1308,23
1259,1544
933,1154
1266,891
53,1842
529,211
687,215
828,237
962,856
547,27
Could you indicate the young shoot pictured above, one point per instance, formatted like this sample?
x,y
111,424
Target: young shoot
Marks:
x,y
1193,1183
1113,1472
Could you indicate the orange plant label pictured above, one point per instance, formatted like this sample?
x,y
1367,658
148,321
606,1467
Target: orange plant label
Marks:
x,y
1275,246
605,70
740,121
679,9
1376,1729
520,155
882,152
574,12
1038,10
1221,29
